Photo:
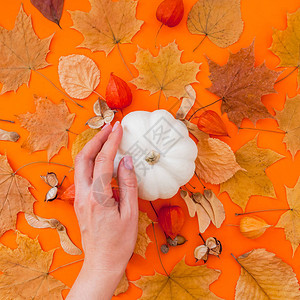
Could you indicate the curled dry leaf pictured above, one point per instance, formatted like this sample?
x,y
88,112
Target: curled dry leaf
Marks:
x,y
14,196
286,43
165,72
50,179
221,22
39,222
253,227
26,271
102,33
186,282
290,220
241,85
289,121
21,51
208,207
122,286
265,276
50,9
252,178
78,75
8,136
47,126
186,103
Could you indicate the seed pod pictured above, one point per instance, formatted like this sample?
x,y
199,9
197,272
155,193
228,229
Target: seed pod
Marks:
x,y
253,227
214,246
164,248
201,252
50,179
172,242
170,12
51,195
180,240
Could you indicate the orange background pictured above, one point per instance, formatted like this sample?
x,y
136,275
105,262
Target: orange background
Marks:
x,y
259,18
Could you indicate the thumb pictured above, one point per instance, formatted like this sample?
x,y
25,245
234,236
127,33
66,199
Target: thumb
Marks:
x,y
128,188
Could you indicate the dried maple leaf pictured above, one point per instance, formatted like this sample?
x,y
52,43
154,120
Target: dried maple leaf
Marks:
x,y
48,126
220,21
107,24
265,276
286,43
216,162
142,238
21,52
240,85
184,282
122,286
289,122
290,220
165,72
14,196
253,179
78,75
26,272
50,9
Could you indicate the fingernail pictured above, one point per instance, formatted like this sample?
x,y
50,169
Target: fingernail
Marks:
x,y
106,125
128,164
116,125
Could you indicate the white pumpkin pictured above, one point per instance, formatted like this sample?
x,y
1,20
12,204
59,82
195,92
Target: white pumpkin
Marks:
x,y
163,153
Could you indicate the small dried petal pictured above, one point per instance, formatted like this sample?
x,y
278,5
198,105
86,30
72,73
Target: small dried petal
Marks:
x,y
95,122
8,136
201,252
253,227
50,179
164,248
51,195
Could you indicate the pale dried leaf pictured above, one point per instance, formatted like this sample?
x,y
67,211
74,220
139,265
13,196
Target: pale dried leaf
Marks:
x,y
78,75
8,136
66,243
186,105
203,218
37,222
191,205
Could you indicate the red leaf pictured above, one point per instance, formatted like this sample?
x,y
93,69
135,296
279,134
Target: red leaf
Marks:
x,y
51,9
171,219
69,193
118,93
170,12
211,123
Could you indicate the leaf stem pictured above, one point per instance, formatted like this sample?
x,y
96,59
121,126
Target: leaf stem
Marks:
x,y
158,251
202,107
159,96
205,36
73,262
162,24
3,120
286,76
45,77
71,131
193,187
236,259
123,60
154,209
203,240
265,210
99,95
42,162
267,130
200,180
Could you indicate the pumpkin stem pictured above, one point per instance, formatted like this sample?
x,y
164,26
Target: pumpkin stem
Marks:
x,y
152,157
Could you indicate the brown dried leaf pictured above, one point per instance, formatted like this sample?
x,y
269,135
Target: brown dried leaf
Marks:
x,y
221,22
107,24
14,196
78,75
241,86
21,51
26,272
48,126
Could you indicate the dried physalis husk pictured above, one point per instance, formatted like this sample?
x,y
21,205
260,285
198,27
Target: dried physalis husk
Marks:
x,y
51,194
201,252
50,179
214,246
253,227
8,135
39,222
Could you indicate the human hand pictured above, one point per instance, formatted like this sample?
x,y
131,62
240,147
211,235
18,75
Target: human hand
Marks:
x,y
108,228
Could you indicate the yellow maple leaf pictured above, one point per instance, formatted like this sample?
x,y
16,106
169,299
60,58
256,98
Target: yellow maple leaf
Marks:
x,y
253,180
107,24
289,122
122,286
142,238
165,72
14,196
184,283
21,51
286,43
48,126
25,272
266,277
220,21
290,220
